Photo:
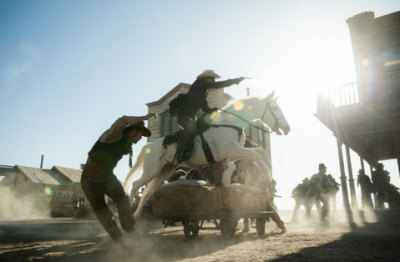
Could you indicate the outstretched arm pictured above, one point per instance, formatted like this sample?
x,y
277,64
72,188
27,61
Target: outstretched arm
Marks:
x,y
134,119
226,83
114,133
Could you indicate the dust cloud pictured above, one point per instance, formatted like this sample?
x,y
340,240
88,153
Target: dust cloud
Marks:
x,y
17,206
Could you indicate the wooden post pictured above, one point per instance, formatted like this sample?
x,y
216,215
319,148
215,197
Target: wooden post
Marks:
x,y
396,140
41,161
373,194
351,180
362,164
345,194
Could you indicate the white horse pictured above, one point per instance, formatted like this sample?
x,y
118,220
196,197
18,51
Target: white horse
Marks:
x,y
264,116
225,143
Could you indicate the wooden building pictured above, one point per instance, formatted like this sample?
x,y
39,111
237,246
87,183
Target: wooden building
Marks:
x,y
365,115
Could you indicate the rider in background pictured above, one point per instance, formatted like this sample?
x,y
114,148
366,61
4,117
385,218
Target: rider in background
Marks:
x,y
380,180
319,184
366,189
196,99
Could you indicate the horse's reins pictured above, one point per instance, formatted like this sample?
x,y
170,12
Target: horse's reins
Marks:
x,y
253,125
246,121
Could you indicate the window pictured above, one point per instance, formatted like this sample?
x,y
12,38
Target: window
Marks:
x,y
260,137
256,135
169,124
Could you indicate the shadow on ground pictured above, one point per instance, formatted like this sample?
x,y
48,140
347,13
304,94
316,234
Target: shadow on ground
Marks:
x,y
378,241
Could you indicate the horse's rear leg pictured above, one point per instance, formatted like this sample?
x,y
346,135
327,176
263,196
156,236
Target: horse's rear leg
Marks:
x,y
154,184
239,153
266,160
227,174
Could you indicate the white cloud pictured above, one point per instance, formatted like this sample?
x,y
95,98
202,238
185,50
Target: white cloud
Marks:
x,y
12,71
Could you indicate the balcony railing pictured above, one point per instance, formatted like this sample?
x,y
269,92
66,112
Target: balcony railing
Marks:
x,y
382,87
340,96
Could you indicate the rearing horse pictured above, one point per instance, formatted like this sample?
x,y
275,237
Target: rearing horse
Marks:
x,y
225,143
257,113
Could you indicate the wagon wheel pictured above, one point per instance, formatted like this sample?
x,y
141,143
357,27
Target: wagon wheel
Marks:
x,y
191,228
228,227
260,226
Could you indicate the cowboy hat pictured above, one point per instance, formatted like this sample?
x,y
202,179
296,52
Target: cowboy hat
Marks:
x,y
139,126
208,73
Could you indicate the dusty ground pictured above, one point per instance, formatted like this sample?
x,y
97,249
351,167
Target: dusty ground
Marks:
x,y
84,240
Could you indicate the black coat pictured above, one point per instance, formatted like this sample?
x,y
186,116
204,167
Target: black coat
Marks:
x,y
196,98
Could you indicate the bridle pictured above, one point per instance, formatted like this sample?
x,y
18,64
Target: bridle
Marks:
x,y
266,109
276,118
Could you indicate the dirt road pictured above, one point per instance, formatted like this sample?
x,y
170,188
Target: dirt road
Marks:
x,y
84,240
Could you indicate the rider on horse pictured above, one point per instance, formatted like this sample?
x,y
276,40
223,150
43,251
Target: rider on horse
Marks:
x,y
189,105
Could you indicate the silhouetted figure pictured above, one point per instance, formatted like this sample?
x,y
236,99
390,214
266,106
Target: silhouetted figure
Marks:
x,y
320,186
366,189
333,188
380,181
186,106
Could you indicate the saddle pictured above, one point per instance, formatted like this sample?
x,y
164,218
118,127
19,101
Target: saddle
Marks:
x,y
185,142
211,173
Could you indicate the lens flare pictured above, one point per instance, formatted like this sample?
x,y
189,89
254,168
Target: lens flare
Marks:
x,y
238,105
48,191
147,150
215,117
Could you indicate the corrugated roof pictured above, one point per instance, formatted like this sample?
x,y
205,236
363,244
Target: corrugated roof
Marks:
x,y
37,175
72,174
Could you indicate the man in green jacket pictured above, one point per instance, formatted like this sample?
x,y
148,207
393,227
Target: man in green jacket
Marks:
x,y
99,180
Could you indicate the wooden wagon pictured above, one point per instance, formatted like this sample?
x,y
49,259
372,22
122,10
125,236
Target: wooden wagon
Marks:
x,y
192,202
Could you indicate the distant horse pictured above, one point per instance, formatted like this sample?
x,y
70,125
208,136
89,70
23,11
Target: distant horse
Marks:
x,y
225,142
306,194
302,197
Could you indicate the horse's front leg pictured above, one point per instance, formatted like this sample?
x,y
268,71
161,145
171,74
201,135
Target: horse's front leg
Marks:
x,y
136,185
295,210
148,191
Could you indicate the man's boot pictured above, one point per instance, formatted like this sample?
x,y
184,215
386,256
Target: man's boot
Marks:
x,y
184,150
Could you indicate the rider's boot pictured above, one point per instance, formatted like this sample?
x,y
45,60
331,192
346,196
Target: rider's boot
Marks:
x,y
184,147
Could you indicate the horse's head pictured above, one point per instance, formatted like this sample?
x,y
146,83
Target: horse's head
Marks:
x,y
251,109
273,115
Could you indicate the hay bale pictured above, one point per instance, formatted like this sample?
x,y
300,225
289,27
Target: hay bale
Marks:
x,y
183,199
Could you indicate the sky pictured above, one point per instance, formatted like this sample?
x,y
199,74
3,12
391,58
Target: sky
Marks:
x,y
68,69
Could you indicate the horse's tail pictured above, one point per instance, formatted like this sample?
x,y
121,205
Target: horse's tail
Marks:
x,y
138,165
